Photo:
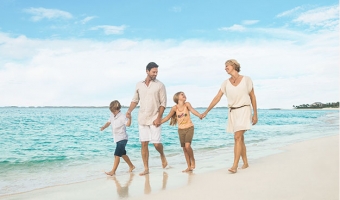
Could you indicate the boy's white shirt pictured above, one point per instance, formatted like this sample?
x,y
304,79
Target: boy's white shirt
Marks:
x,y
118,125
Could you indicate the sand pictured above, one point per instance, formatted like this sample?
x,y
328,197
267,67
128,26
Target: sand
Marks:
x,y
305,170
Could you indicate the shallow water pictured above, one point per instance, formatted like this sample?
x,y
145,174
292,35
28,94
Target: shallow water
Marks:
x,y
43,147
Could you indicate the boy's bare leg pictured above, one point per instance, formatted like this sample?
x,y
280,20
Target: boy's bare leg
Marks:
x,y
159,148
145,157
114,168
128,161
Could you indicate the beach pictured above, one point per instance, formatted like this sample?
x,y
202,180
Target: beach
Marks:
x,y
303,170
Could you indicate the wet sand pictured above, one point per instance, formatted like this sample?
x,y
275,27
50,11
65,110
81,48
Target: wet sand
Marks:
x,y
305,170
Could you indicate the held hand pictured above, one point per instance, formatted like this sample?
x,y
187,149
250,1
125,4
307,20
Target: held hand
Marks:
x,y
254,120
157,122
128,114
203,115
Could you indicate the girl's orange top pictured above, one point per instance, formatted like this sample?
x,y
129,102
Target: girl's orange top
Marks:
x,y
183,118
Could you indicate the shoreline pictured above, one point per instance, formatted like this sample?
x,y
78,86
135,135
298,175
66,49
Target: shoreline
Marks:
x,y
283,175
125,107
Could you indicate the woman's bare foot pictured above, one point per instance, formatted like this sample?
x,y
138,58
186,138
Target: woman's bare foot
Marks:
x,y
144,173
244,166
111,173
231,170
187,170
132,168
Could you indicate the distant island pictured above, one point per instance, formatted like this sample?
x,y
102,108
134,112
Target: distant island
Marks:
x,y
317,105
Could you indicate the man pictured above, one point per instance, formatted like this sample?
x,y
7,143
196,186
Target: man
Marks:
x,y
152,97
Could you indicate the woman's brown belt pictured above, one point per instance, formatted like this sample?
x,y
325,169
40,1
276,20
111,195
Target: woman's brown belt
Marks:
x,y
232,108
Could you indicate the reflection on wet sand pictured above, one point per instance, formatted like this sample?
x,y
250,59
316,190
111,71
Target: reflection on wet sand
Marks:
x,y
147,186
190,176
165,180
123,191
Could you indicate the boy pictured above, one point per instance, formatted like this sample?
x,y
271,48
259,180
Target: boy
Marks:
x,y
118,122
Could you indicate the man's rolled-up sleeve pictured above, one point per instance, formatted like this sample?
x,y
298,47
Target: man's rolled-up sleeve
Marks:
x,y
135,98
162,96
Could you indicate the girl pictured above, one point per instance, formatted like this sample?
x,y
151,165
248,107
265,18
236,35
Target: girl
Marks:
x,y
180,114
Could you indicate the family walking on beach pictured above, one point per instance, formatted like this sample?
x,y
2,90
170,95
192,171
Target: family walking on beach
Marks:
x,y
151,96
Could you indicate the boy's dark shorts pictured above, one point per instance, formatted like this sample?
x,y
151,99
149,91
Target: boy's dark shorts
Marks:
x,y
120,148
185,135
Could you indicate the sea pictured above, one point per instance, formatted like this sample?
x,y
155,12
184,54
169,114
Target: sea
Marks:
x,y
42,147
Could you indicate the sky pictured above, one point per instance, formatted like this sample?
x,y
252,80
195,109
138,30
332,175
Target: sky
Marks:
x,y
88,53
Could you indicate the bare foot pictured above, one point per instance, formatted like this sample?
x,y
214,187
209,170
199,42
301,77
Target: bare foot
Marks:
x,y
111,173
132,168
231,170
192,164
187,170
244,166
144,173
164,162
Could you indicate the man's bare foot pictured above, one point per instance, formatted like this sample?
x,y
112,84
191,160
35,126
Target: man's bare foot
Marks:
x,y
244,166
187,170
231,170
192,167
132,168
164,161
111,173
144,173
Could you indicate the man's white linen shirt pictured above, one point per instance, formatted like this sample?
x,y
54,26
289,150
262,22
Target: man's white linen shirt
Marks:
x,y
150,98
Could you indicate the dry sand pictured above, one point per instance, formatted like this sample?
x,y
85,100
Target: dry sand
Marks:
x,y
306,170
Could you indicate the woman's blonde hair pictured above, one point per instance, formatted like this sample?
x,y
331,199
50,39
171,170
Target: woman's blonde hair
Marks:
x,y
233,63
115,105
173,119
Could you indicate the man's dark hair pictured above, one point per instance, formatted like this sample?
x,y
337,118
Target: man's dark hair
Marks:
x,y
151,65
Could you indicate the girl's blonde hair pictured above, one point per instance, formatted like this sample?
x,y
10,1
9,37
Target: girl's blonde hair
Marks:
x,y
173,119
115,105
233,63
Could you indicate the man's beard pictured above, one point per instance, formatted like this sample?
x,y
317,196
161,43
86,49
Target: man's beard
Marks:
x,y
152,77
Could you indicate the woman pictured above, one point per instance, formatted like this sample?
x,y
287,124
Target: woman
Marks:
x,y
241,98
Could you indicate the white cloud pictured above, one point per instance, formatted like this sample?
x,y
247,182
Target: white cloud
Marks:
x,y
290,12
41,13
87,19
110,30
83,72
324,16
235,27
250,22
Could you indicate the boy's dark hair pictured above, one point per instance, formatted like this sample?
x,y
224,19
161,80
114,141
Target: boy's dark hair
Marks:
x,y
151,65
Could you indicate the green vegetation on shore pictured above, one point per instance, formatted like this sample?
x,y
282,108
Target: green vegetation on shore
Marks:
x,y
317,105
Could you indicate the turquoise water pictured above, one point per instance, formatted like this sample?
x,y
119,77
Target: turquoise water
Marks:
x,y
43,147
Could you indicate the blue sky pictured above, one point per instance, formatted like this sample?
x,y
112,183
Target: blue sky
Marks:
x,y
87,53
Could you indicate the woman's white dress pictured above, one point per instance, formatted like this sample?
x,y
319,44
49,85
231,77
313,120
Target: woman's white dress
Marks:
x,y
238,119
